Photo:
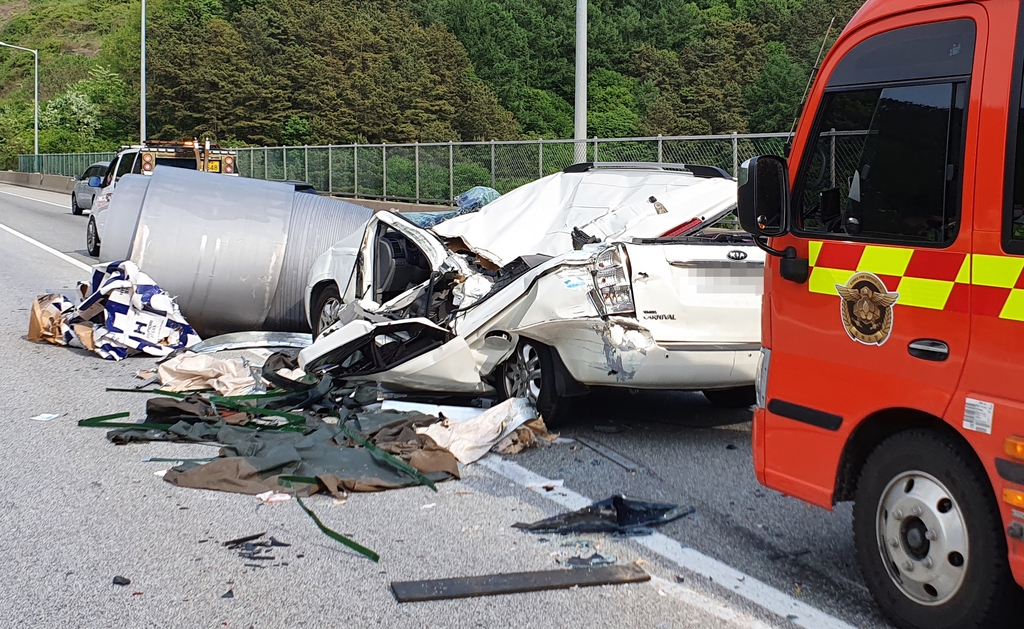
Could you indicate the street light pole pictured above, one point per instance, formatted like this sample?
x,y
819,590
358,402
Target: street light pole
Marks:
x,y
35,54
142,89
581,81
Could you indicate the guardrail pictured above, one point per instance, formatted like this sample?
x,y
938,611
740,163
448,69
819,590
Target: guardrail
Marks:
x,y
435,172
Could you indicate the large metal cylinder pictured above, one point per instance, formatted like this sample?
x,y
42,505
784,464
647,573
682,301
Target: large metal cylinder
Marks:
x,y
235,252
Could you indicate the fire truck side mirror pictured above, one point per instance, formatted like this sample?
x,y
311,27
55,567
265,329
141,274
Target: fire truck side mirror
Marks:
x,y
763,196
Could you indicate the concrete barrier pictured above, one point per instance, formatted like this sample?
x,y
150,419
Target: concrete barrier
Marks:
x,y
51,183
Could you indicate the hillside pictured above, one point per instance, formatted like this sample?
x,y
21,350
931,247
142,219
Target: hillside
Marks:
x,y
299,71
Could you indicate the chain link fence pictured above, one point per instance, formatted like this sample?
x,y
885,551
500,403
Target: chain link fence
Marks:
x,y
437,172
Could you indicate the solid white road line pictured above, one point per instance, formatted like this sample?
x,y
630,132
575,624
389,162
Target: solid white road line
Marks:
x,y
47,248
21,196
755,591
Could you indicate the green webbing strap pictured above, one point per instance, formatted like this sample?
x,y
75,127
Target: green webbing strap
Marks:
x,y
388,458
338,537
105,421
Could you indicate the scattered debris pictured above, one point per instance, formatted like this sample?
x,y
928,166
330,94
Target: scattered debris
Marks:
x,y
429,506
249,340
45,417
611,455
119,580
548,485
197,372
228,594
489,585
592,561
606,429
269,497
241,540
278,543
614,515
731,446
124,313
471,439
680,578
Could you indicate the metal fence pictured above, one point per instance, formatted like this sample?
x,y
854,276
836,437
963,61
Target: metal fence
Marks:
x,y
437,172
68,164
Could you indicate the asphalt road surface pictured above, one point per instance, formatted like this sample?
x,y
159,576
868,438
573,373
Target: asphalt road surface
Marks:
x,y
77,511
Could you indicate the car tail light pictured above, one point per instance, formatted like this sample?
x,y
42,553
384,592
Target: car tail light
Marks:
x,y
611,282
682,229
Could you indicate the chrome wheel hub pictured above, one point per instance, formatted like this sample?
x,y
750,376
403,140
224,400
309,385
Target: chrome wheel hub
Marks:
x,y
329,314
522,373
922,537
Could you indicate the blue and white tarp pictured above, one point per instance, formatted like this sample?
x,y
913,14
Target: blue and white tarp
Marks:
x,y
131,314
123,313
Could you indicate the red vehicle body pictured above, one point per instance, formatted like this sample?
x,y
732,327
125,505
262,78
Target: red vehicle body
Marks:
x,y
893,312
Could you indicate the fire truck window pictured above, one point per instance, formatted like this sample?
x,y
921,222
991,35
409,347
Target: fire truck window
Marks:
x,y
1017,202
885,164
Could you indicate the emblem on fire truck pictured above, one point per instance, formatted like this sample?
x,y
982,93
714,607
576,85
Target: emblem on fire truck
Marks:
x,y
866,306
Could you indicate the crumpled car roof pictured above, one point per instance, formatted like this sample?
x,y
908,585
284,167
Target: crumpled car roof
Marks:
x,y
538,218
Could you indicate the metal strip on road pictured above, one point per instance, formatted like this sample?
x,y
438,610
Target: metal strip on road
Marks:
x,y
47,248
756,591
21,196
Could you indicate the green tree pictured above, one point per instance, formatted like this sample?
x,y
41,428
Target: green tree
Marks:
x,y
773,97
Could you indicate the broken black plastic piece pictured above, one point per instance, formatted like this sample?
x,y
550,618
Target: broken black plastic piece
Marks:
x,y
242,540
229,594
119,580
617,515
276,542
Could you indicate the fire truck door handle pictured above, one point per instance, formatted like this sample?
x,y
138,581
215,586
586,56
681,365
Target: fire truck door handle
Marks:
x,y
929,349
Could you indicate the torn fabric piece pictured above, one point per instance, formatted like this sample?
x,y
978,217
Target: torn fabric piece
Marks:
x,y
526,436
251,460
471,439
192,372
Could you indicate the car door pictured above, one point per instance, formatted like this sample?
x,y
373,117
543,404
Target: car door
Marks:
x,y
882,206
371,257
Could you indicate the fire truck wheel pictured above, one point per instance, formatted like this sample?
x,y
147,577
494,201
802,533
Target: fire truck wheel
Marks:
x,y
736,397
929,536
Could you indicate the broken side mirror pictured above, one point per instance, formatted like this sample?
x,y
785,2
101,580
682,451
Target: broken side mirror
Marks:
x,y
95,182
763,196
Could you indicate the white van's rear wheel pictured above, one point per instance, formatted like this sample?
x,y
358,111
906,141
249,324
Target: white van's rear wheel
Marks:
x,y
929,537
529,372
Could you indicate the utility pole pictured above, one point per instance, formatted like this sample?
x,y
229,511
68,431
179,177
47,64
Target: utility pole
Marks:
x,y
35,54
581,81
142,88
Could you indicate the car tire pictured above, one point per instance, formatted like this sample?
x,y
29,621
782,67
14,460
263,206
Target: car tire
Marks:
x,y
529,372
929,536
92,238
326,309
736,397
75,209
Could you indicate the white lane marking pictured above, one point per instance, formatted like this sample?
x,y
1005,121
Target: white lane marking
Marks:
x,y
707,604
47,248
755,591
21,196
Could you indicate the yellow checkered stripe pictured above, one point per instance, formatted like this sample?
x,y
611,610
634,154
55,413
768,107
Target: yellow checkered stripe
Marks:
x,y
925,278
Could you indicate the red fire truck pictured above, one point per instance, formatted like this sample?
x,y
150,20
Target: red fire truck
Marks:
x,y
892,372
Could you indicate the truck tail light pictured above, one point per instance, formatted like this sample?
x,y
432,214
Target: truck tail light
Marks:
x,y
1014,447
611,282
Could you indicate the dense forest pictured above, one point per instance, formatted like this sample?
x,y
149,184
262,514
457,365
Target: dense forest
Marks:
x,y
271,72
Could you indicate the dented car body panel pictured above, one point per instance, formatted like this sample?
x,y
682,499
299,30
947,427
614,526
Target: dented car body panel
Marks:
x,y
637,312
